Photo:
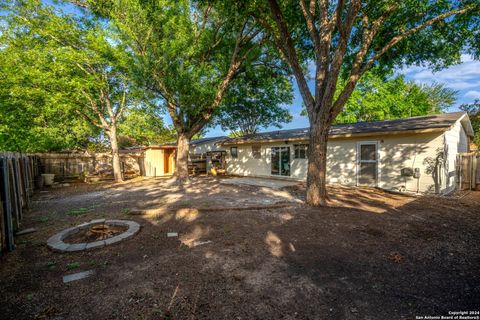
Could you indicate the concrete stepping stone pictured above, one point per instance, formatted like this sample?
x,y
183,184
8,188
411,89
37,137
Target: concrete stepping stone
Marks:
x,y
78,276
25,231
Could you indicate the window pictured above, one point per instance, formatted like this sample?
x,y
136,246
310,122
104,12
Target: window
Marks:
x,y
234,152
300,151
256,151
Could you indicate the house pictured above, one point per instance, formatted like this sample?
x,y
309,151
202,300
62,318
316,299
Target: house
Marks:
x,y
416,154
160,159
199,147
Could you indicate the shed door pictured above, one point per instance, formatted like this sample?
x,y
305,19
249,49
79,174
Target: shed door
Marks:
x,y
367,164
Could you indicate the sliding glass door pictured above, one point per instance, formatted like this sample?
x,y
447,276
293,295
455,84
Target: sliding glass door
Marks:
x,y
280,161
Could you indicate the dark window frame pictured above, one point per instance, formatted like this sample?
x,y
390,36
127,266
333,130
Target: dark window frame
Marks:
x,y
232,153
300,151
256,151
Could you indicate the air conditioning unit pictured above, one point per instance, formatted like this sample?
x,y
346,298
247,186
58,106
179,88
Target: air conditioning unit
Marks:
x,y
407,172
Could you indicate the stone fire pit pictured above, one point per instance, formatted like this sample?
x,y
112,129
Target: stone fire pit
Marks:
x,y
103,232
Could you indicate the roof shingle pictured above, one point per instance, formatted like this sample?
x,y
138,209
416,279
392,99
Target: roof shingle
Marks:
x,y
434,121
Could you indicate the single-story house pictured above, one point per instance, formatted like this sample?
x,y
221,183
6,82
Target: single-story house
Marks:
x,y
160,159
199,147
416,154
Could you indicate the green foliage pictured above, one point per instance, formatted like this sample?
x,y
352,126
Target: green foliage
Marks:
x,y
31,119
187,52
77,212
68,79
473,111
143,126
256,100
51,265
380,98
73,265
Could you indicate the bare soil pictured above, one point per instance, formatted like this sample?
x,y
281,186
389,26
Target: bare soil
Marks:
x,y
370,255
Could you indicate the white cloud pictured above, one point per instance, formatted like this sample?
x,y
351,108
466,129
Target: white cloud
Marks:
x,y
472,94
465,75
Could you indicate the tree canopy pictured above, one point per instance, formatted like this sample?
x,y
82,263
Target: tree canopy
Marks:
x,y
258,99
390,97
473,111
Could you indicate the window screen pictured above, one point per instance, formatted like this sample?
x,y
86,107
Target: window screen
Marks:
x,y
368,152
234,152
300,151
256,152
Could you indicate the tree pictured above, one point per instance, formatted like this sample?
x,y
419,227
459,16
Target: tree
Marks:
x,y
76,61
390,97
30,119
188,53
257,100
347,38
143,126
473,111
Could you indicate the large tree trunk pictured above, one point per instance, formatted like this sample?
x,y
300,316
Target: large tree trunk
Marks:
x,y
117,170
317,166
181,170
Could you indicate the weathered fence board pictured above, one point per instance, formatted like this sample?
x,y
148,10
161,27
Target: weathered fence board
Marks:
x,y
17,172
468,171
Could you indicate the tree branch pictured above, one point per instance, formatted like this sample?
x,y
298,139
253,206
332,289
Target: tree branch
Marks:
x,y
358,71
291,54
405,34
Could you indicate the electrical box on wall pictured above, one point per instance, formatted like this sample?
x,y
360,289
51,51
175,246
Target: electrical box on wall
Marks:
x,y
407,172
416,173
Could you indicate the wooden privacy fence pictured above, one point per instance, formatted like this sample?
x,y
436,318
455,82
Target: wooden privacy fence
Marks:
x,y
468,171
17,172
70,164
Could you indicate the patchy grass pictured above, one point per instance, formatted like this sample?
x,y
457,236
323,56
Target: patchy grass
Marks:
x,y
51,265
77,212
82,210
73,265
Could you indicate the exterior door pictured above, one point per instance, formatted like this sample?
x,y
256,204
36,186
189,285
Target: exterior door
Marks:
x,y
280,157
367,163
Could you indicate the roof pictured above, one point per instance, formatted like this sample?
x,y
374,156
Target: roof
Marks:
x,y
206,140
195,142
435,122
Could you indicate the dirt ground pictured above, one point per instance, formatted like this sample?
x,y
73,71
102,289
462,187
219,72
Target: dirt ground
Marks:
x,y
372,255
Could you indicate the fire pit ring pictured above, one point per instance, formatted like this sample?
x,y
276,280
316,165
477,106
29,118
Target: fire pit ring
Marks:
x,y
57,243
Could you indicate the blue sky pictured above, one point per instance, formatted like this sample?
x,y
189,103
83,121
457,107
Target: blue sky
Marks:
x,y
463,77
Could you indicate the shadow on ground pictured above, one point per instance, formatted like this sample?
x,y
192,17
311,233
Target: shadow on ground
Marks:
x,y
373,255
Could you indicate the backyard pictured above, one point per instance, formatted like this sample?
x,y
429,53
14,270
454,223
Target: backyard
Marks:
x,y
244,250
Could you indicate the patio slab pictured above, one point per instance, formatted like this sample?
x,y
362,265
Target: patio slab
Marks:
x,y
260,182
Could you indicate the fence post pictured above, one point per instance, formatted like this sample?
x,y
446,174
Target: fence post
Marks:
x,y
6,203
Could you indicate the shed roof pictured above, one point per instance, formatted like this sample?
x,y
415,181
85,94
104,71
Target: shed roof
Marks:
x,y
434,122
196,142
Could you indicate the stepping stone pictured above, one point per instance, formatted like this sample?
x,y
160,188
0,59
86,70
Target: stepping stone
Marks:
x,y
199,243
78,276
26,231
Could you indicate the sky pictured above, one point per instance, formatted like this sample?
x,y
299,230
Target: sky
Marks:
x,y
463,77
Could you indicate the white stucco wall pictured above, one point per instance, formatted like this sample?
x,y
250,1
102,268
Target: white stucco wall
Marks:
x,y
395,152
456,141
